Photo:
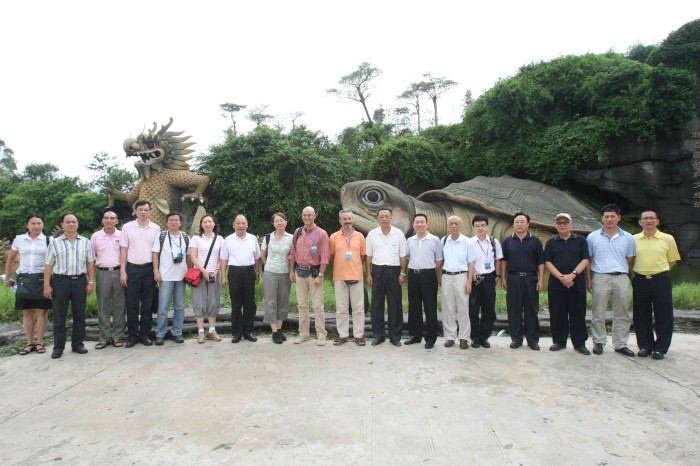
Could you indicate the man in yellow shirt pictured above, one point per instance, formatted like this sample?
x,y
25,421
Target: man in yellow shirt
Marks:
x,y
656,254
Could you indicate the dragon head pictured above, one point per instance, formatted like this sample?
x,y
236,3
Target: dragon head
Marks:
x,y
159,150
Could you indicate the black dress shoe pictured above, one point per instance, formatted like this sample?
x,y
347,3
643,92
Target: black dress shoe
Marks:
x,y
130,343
411,341
598,349
515,345
658,356
277,338
396,342
282,335
583,350
236,339
625,352
178,339
534,346
378,341
249,337
160,341
80,349
475,344
485,344
145,341
56,353
643,353
429,344
556,347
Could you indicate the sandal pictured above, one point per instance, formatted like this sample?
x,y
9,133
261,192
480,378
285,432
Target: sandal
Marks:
x,y
102,345
117,343
360,341
40,348
339,341
27,349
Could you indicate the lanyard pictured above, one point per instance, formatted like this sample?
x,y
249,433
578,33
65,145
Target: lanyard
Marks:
x,y
313,239
179,246
348,238
488,247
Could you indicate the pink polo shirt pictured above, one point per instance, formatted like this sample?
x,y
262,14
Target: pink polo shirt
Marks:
x,y
301,247
106,248
139,241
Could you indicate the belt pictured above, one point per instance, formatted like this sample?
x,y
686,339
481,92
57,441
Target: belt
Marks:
x,y
417,271
241,267
484,274
523,274
142,266
614,273
386,266
652,276
69,277
108,269
454,273
307,268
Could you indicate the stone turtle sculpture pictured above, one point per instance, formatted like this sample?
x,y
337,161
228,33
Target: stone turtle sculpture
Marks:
x,y
499,198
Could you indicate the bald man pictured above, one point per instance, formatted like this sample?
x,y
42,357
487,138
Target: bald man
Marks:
x,y
308,259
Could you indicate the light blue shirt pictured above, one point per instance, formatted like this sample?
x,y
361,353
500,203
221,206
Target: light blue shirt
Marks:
x,y
423,253
458,253
610,254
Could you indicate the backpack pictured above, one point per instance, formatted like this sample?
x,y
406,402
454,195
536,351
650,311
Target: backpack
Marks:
x,y
161,240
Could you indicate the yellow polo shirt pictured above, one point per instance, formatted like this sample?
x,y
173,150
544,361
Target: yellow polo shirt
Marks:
x,y
654,254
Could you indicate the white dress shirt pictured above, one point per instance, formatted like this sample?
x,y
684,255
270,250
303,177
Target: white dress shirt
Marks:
x,y
386,249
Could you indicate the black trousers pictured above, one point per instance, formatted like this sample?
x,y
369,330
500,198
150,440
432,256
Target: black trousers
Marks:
x,y
65,291
653,296
523,300
483,298
241,286
385,286
422,296
567,314
140,288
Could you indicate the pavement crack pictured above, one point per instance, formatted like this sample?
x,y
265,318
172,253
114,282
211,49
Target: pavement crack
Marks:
x,y
668,379
133,353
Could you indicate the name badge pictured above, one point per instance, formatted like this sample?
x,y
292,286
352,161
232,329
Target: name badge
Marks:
x,y
487,265
348,255
314,250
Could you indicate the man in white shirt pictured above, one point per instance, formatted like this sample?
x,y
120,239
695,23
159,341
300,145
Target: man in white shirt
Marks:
x,y
386,272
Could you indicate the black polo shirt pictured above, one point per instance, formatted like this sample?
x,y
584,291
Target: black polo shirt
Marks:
x,y
565,255
523,255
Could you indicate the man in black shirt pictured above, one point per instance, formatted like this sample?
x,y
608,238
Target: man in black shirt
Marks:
x,y
566,257
523,265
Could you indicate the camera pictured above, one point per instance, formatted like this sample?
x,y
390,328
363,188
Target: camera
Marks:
x,y
178,259
478,279
211,278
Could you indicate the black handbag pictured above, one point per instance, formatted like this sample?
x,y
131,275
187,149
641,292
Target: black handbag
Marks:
x,y
30,286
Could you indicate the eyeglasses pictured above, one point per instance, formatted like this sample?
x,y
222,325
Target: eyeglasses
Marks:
x,y
563,223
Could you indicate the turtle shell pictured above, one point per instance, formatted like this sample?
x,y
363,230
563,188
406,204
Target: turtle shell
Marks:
x,y
505,195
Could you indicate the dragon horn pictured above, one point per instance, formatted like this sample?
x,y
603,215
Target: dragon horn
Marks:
x,y
165,127
172,133
155,126
184,152
183,145
182,139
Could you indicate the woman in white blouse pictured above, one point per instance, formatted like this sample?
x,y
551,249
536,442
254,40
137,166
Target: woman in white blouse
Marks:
x,y
276,284
31,248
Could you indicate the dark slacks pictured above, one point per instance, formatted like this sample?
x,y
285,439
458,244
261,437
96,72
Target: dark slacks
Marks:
x,y
65,291
140,289
241,286
653,296
522,300
483,298
422,296
567,314
385,286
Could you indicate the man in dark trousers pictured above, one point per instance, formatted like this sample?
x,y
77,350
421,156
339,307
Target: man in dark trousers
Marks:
x,y
566,257
523,265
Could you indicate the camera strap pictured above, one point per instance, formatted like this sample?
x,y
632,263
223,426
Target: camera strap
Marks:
x,y
211,248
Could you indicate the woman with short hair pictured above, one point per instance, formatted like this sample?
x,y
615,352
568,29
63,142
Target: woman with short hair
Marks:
x,y
32,248
276,284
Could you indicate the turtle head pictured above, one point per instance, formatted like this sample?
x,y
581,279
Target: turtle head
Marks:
x,y
366,197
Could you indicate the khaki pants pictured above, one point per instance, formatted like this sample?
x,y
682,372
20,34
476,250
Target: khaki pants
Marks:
x,y
616,288
111,305
350,294
306,287
455,304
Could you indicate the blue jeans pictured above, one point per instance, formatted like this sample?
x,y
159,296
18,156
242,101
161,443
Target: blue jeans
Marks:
x,y
168,290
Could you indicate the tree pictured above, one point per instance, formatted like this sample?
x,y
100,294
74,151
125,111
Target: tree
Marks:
x,y
639,52
356,86
230,111
258,116
681,49
294,116
44,172
468,101
107,169
8,171
412,96
434,87
88,206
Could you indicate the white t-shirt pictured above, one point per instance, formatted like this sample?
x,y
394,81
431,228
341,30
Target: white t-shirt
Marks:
x,y
202,243
240,252
169,270
485,254
386,249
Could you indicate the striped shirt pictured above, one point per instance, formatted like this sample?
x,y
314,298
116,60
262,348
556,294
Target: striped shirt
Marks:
x,y
610,253
70,257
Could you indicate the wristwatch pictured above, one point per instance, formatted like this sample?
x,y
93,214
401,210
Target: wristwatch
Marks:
x,y
320,274
91,283
403,273
575,272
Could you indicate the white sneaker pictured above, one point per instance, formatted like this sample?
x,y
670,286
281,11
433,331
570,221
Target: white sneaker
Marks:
x,y
300,340
321,342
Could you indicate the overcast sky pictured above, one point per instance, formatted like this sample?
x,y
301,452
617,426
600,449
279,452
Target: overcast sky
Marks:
x,y
80,77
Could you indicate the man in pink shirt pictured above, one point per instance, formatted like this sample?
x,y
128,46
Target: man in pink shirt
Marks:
x,y
136,273
111,318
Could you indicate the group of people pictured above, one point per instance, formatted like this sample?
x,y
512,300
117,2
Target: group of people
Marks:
x,y
141,267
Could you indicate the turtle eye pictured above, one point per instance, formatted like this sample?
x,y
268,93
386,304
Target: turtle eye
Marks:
x,y
373,196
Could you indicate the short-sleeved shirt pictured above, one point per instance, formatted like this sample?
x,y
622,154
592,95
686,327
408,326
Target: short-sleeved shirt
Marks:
x,y
523,255
301,251
347,267
486,254
423,253
70,257
32,253
458,253
173,246
277,259
609,254
565,255
240,252
106,248
386,249
655,253
139,241
202,243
